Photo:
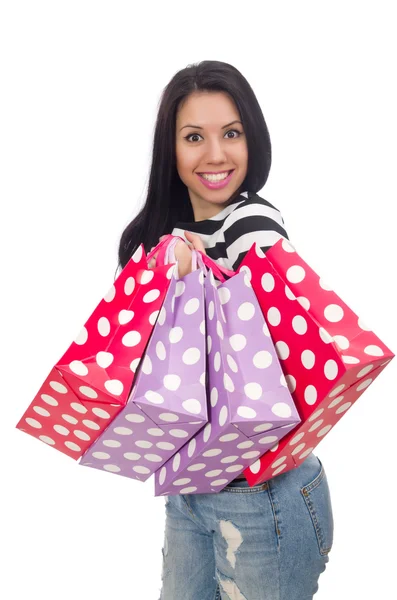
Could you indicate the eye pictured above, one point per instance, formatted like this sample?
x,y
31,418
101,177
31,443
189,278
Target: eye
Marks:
x,y
230,138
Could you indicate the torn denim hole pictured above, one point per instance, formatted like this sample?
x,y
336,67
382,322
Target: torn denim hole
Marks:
x,y
233,538
164,550
230,588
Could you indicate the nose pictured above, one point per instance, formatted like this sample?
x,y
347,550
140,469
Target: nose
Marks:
x,y
216,151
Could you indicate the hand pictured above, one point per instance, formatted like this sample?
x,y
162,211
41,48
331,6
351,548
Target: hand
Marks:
x,y
183,254
195,240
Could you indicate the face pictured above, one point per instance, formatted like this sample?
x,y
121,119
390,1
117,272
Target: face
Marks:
x,y
210,139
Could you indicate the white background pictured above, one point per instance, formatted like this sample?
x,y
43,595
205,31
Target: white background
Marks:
x,y
80,85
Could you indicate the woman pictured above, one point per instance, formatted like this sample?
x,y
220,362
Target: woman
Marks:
x,y
211,155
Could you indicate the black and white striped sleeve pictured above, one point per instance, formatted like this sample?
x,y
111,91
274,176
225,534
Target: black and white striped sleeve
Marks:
x,y
253,221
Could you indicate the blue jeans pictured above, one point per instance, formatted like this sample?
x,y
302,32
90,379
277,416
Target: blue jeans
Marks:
x,y
267,542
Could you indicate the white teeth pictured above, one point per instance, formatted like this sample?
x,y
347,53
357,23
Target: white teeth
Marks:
x,y
217,177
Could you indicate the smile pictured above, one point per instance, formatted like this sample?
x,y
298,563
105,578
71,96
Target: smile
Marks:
x,y
215,181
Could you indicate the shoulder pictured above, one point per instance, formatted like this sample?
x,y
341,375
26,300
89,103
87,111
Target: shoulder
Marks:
x,y
252,207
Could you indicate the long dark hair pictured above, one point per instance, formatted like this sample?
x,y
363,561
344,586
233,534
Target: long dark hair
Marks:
x,y
168,199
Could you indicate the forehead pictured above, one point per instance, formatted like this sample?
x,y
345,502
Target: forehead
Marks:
x,y
207,109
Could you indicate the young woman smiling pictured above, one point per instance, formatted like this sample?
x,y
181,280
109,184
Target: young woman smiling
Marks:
x,y
211,157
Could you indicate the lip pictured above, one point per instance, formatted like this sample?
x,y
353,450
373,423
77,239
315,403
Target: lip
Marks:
x,y
215,185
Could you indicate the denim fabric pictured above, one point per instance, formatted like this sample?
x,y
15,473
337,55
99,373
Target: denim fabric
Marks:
x,y
267,542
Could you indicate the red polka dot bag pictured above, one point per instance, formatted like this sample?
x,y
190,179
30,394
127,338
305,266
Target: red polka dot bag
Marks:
x,y
328,355
91,382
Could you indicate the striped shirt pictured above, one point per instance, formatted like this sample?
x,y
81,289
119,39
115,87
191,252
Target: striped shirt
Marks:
x,y
229,235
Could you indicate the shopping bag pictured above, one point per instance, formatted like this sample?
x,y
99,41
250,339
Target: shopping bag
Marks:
x,y
328,355
91,382
168,403
250,407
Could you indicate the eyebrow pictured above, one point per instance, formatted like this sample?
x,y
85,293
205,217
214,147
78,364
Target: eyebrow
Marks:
x,y
224,127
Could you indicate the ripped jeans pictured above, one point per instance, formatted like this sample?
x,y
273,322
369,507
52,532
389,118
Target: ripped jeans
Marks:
x,y
267,542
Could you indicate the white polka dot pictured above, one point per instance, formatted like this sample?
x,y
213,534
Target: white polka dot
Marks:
x,y
169,417
122,431
217,482
219,330
182,481
111,443
61,429
172,382
143,444
162,316
192,406
175,335
333,313
146,277
103,326
325,336
246,412
78,367
265,329
296,439
191,356
49,400
153,317
289,294
278,462
232,363
101,455
330,369
263,427
246,311
212,452
161,352
154,397
58,387
304,302
364,385
316,414
82,337
214,397
256,466
162,475
82,435
238,342
223,414
291,383
69,419
211,310
262,359
178,433
268,439
217,361
274,316
78,407
73,446
324,285
151,296
324,430
224,295
90,424
229,437
336,390
176,462
342,341
281,409
343,408
165,446
114,386
306,453
363,325
192,447
364,371
253,390
373,350
87,391
335,401
191,489
41,411
246,444
310,394
308,359
197,467
141,470
125,316
46,440
155,431
131,338
104,359
131,455
287,246
234,469
129,286
192,306
282,350
213,473
295,274
228,383
267,282
299,325
316,425
298,449
36,424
